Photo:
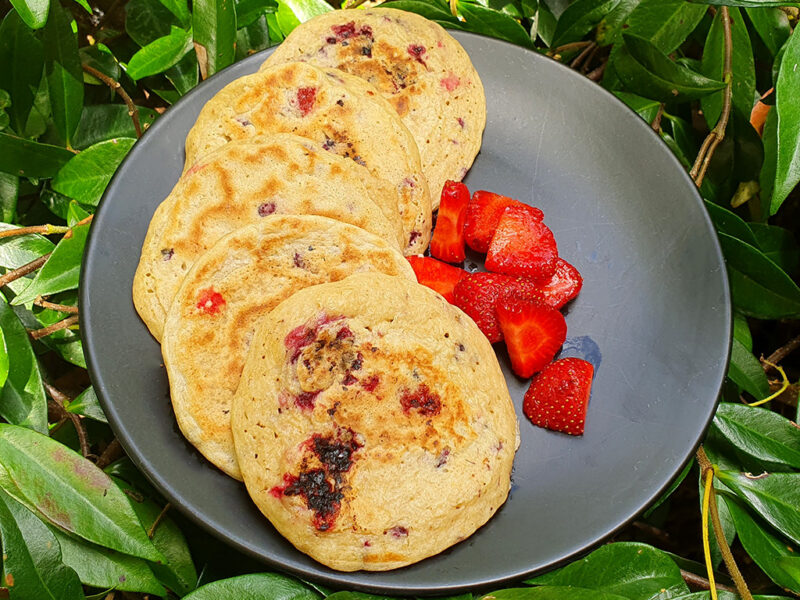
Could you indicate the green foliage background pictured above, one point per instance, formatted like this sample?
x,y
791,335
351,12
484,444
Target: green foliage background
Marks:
x,y
77,520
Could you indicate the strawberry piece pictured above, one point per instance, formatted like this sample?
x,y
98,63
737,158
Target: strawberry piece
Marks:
x,y
483,215
533,332
522,245
477,294
436,275
448,236
563,286
559,395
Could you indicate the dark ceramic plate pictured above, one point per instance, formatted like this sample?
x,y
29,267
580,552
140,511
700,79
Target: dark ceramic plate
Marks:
x,y
654,317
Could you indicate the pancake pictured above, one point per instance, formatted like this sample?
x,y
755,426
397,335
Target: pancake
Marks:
x,y
239,280
372,423
238,185
342,113
418,67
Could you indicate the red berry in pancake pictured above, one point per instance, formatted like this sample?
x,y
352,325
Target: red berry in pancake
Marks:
x,y
533,333
210,301
563,286
448,236
522,245
483,215
559,395
436,275
305,99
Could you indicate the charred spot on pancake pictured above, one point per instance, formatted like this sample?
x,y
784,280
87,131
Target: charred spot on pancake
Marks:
x,y
340,102
421,400
210,301
357,362
266,208
366,51
320,496
167,253
306,96
370,383
336,452
460,347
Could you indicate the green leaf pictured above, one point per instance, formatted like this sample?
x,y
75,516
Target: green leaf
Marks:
x,y
743,86
610,28
746,371
253,38
87,174
580,18
628,569
101,122
763,547
214,23
772,26
791,564
148,20
551,592
760,433
18,250
64,72
71,492
30,159
67,342
22,399
9,192
32,12
61,271
647,71
766,179
774,496
180,9
664,23
249,11
254,587
103,568
759,287
307,9
644,107
778,244
86,404
729,222
435,11
99,57
741,331
184,74
493,23
161,54
672,487
787,90
32,557
747,3
21,67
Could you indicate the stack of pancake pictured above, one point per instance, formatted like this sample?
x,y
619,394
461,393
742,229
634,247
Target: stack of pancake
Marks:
x,y
368,417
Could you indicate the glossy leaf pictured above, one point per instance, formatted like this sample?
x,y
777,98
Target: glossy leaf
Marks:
x,y
436,11
747,3
496,24
746,371
71,492
99,57
758,286
610,28
724,595
254,587
66,342
161,54
214,23
32,557
30,159
180,9
664,23
743,86
86,404
644,107
21,67
184,74
628,569
148,20
730,223
9,193
22,399
777,244
64,72
741,331
32,12
19,250
760,433
787,90
764,548
766,179
307,9
249,11
253,38
103,568
772,26
62,269
101,122
580,18
86,175
774,496
551,592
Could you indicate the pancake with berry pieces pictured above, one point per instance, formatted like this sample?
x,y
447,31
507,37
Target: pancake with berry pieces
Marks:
x,y
239,280
418,67
342,113
372,423
241,183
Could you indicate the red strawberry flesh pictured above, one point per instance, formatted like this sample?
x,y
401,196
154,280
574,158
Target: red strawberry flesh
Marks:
x,y
437,275
533,333
563,286
522,246
558,396
448,236
483,215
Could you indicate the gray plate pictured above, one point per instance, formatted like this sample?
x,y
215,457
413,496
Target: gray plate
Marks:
x,y
654,317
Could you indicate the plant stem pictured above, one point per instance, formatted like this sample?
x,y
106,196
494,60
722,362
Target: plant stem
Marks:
x,y
23,270
58,399
112,452
50,329
715,137
73,310
783,351
151,532
583,56
133,113
597,74
701,582
43,229
568,48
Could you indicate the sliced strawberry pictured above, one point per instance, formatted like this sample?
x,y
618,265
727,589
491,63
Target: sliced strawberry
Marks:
x,y
477,295
533,332
436,275
563,286
559,395
522,245
483,215
448,236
